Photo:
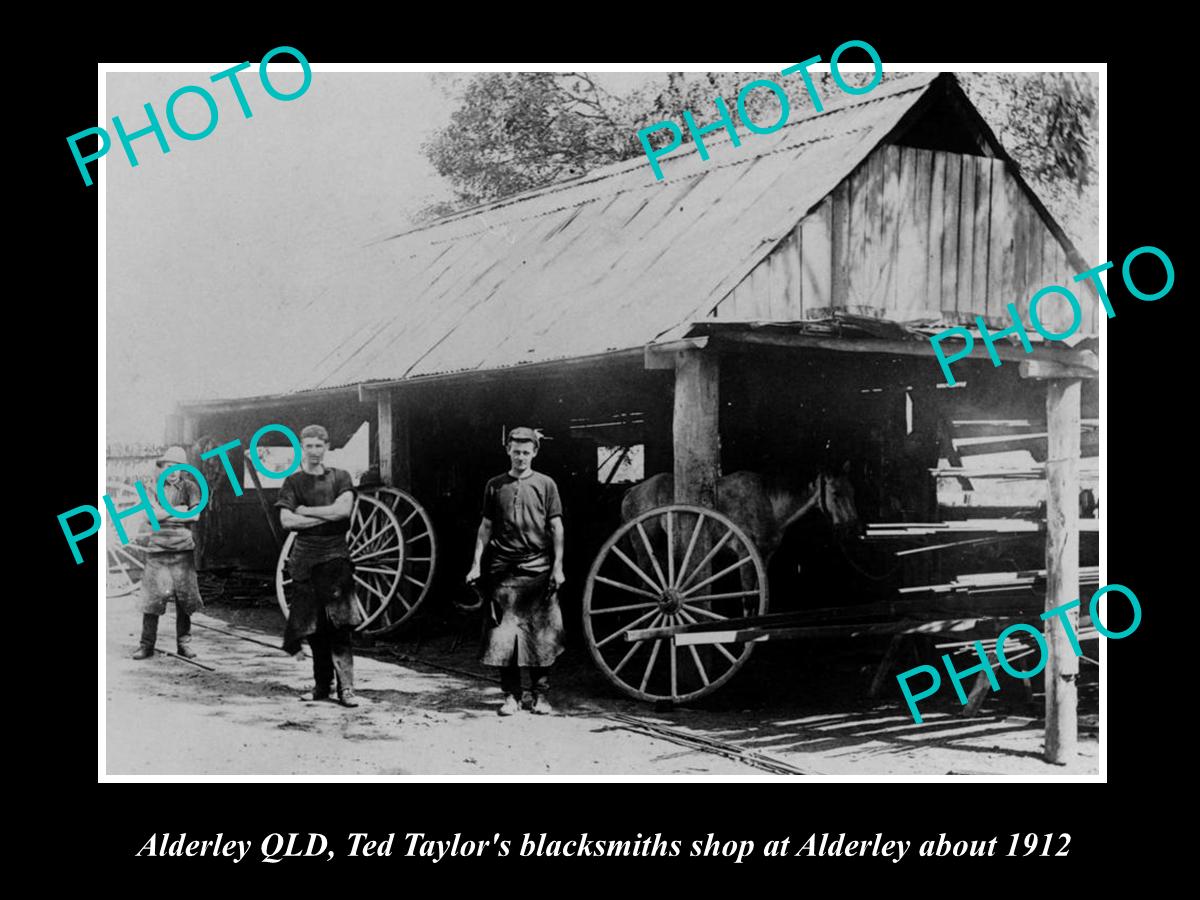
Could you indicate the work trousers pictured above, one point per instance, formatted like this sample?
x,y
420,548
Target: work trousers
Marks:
x,y
333,656
538,677
183,628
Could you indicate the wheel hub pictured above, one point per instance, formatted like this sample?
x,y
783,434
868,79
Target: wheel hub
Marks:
x,y
670,601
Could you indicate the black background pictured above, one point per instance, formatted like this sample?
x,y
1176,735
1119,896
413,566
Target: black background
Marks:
x,y
91,831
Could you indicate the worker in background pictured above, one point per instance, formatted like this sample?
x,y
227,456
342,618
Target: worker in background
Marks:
x,y
170,572
522,531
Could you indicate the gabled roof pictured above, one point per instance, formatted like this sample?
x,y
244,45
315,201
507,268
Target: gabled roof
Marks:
x,y
605,262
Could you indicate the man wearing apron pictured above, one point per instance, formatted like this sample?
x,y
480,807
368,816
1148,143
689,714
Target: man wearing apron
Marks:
x,y
316,503
170,572
522,528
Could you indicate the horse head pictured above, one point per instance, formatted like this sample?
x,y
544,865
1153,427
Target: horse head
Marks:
x,y
835,498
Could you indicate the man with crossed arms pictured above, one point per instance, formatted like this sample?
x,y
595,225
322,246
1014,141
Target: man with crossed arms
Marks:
x,y
316,502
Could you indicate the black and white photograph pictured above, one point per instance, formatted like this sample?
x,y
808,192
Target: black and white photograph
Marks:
x,y
514,422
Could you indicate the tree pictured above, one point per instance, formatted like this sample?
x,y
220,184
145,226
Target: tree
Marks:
x,y
513,131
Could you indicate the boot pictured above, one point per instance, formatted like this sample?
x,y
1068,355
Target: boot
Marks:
x,y
149,635
183,634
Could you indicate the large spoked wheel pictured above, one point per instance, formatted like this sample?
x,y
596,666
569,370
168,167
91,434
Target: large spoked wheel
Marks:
x,y
675,565
377,551
420,555
125,561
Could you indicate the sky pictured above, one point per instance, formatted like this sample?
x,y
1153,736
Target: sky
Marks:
x,y
210,244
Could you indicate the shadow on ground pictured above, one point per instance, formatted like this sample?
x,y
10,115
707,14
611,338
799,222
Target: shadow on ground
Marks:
x,y
798,701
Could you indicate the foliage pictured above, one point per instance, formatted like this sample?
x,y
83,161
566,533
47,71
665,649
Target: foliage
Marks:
x,y
513,131
1046,120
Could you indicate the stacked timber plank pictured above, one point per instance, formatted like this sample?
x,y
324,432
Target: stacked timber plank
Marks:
x,y
877,530
993,582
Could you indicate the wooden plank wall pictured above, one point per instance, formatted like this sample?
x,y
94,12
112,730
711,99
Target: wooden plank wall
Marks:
x,y
912,235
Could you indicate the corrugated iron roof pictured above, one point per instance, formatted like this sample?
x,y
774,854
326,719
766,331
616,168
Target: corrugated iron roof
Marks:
x,y
606,262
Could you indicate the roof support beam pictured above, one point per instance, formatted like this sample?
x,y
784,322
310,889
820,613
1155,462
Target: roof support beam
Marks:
x,y
662,356
1079,363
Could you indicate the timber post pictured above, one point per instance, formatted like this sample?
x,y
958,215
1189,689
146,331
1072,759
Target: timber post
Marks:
x,y
695,427
395,459
1062,565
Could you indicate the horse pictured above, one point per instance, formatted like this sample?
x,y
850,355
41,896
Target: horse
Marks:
x,y
763,507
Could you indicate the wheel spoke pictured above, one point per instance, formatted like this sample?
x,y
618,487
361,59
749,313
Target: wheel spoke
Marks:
x,y
403,600
626,587
670,549
634,649
690,547
379,529
358,528
389,572
711,578
624,628
124,571
379,523
613,609
384,587
419,584
704,562
371,588
417,537
629,562
121,551
653,559
356,524
674,651
410,517
699,665
650,665
727,596
386,550
362,610
729,656
703,612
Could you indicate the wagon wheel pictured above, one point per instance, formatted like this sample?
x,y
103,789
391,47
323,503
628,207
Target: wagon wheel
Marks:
x,y
377,551
420,555
125,561
675,565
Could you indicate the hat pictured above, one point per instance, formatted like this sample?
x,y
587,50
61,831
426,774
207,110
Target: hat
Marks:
x,y
176,455
525,434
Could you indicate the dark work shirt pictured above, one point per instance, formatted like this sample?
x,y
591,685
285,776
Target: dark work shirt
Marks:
x,y
323,542
520,510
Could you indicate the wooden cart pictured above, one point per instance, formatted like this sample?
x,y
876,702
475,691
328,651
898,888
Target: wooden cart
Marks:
x,y
666,622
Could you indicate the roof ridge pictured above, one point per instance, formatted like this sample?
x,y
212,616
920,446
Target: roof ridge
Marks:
x,y
700,173
611,170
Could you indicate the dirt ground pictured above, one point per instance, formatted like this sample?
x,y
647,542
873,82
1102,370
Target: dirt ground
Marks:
x,y
801,704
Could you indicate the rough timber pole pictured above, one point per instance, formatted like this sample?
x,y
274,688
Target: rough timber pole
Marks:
x,y
697,444
1062,565
385,432
395,466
